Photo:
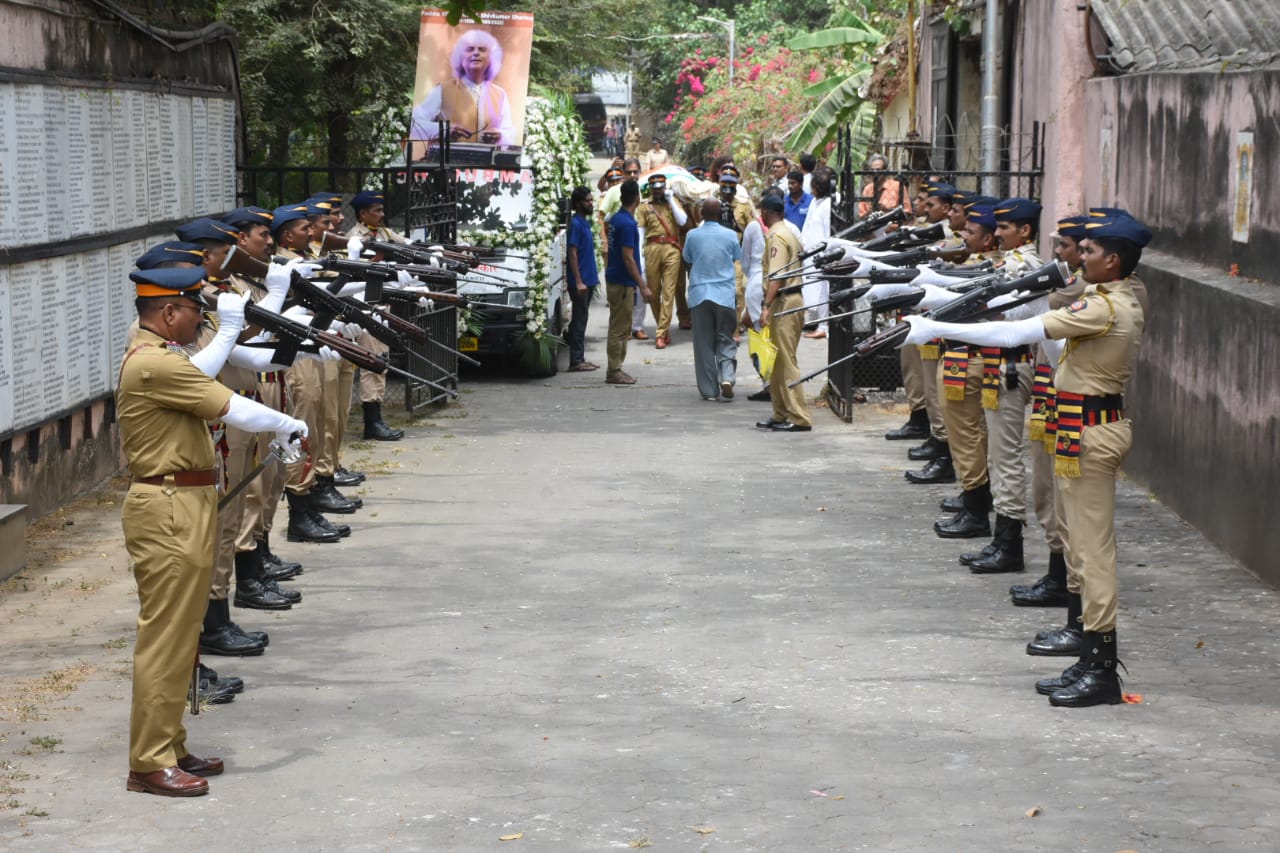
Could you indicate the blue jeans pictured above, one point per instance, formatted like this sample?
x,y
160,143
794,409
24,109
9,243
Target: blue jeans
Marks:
x,y
576,334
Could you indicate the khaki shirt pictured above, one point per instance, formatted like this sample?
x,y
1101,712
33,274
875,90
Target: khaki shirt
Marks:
x,y
1021,260
657,220
382,235
1103,329
162,404
781,247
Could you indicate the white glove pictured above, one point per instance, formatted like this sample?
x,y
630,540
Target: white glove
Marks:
x,y
279,277
352,288
999,334
883,291
251,416
298,314
211,359
355,248
404,279
257,359
921,330
426,304
934,297
327,354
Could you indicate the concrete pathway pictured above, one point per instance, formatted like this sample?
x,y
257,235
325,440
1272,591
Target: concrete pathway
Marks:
x,y
593,618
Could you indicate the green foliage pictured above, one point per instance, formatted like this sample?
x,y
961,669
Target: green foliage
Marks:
x,y
841,96
325,83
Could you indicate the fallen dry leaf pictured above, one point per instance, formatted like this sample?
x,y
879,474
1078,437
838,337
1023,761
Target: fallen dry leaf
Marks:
x,y
1132,698
1033,811
1200,644
703,830
838,797
515,837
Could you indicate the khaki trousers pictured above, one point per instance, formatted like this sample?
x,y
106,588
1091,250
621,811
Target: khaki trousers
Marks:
x,y
1007,445
242,451
621,302
1090,503
262,497
788,403
373,386
346,383
307,389
662,267
930,367
966,428
169,534
912,377
1048,508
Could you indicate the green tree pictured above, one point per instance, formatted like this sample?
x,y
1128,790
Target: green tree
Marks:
x,y
324,83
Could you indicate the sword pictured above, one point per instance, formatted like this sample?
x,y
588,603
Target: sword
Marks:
x,y
276,452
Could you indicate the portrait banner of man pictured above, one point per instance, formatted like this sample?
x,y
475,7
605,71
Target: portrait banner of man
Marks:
x,y
475,76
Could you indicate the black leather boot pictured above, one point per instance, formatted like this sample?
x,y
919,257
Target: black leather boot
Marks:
x,y
952,504
1099,684
931,449
329,499
270,559
1049,591
375,428
917,426
344,478
1070,675
973,521
1007,556
303,526
276,571
292,596
209,675
968,557
938,470
1064,641
251,592
219,637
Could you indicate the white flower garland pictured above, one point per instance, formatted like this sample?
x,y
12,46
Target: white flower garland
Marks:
x,y
557,150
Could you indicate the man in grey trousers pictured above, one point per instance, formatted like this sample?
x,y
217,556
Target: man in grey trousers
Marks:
x,y
711,250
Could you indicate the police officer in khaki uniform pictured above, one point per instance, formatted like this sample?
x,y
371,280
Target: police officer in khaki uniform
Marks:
x,y
661,220
1101,333
632,142
163,402
781,249
370,210
735,214
1051,589
960,395
1006,390
305,387
262,496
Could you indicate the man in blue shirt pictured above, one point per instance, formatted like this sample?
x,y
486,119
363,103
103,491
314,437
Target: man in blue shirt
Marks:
x,y
797,200
622,278
711,250
583,278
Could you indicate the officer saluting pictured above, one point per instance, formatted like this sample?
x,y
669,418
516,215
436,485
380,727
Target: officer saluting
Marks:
x,y
170,513
1101,332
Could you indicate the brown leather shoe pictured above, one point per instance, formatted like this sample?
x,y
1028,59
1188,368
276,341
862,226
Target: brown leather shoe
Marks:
x,y
640,335
169,782
198,766
620,378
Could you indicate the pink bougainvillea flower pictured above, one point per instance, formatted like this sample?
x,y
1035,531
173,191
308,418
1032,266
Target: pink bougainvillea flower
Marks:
x,y
754,73
696,87
814,76
747,51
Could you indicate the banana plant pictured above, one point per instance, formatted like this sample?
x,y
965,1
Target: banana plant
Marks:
x,y
851,40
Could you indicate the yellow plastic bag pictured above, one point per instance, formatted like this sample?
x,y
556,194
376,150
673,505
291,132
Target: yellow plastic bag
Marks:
x,y
763,352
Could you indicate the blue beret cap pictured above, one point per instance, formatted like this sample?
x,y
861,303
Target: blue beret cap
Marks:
x,y
287,213
1120,227
941,189
1108,212
1017,209
367,198
729,174
207,229
982,214
176,279
974,199
321,207
1072,226
248,215
169,252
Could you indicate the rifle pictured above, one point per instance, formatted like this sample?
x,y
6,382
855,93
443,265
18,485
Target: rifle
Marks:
x,y
294,337
327,307
966,306
835,298
375,275
899,239
889,303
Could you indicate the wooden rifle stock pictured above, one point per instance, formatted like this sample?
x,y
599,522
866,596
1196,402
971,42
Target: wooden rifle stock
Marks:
x,y
295,337
399,325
